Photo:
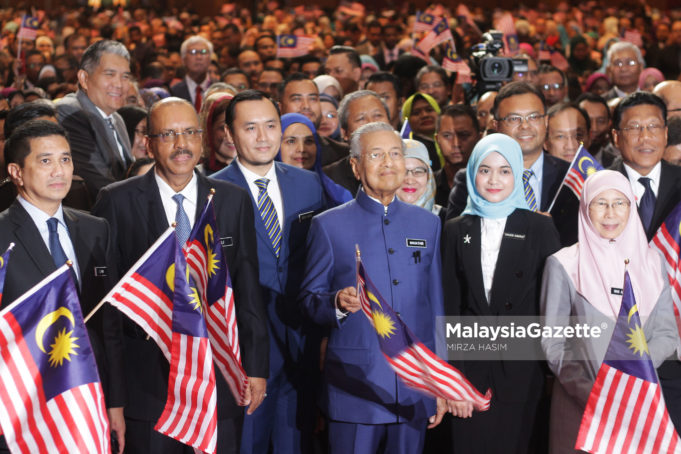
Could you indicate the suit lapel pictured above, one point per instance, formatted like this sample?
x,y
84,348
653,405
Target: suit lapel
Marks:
x,y
286,184
667,188
102,131
239,179
470,252
150,207
510,253
203,189
28,235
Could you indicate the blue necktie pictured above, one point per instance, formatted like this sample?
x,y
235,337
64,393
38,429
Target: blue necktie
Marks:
x,y
529,192
183,227
58,254
269,214
646,206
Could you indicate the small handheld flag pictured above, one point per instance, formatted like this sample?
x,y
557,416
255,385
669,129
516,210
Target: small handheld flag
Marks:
x,y
4,260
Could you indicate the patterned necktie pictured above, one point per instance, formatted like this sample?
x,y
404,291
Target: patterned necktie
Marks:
x,y
269,214
198,98
182,227
121,148
529,192
646,206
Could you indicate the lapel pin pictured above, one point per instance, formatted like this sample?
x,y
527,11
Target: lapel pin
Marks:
x,y
467,239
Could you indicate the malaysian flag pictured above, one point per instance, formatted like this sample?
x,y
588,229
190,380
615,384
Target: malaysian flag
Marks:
x,y
424,22
51,396
4,260
453,62
290,46
208,267
145,295
544,52
506,25
440,34
406,132
667,240
625,412
583,165
190,413
29,28
412,361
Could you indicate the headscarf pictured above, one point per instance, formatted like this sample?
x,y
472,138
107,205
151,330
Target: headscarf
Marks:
x,y
335,194
415,149
507,147
323,97
596,265
406,113
593,78
656,73
325,81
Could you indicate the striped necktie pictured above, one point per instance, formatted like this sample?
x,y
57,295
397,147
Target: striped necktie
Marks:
x,y
269,215
529,192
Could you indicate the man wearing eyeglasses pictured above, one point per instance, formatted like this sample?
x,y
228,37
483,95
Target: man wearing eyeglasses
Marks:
x,y
196,52
139,210
625,64
553,83
433,81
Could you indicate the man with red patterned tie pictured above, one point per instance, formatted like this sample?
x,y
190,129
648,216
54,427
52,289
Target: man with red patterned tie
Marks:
x,y
196,52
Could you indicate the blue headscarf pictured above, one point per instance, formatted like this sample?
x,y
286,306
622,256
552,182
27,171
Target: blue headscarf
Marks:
x,y
335,194
510,150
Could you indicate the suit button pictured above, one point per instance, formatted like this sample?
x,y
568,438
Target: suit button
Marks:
x,y
386,221
391,251
395,282
508,305
518,274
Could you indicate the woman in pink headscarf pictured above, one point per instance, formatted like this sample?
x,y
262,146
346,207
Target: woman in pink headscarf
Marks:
x,y
583,284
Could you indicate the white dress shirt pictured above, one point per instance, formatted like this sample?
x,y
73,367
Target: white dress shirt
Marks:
x,y
491,234
40,218
190,193
272,189
636,185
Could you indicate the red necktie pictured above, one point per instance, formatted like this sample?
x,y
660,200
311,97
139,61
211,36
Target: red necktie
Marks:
x,y
198,99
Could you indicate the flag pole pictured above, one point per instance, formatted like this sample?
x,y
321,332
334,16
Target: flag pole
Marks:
x,y
555,197
358,259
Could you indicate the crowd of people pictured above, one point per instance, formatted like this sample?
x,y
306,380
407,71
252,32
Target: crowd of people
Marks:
x,y
117,123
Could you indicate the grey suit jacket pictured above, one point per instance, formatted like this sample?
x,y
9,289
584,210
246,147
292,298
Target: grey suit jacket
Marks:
x,y
96,157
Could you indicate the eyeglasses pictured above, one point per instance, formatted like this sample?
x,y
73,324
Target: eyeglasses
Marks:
x,y
197,51
547,87
424,87
380,155
417,172
622,63
636,130
170,136
601,206
330,115
516,120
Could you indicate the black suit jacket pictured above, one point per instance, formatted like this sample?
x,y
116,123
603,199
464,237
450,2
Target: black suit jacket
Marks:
x,y
30,262
341,173
529,238
668,193
135,211
181,91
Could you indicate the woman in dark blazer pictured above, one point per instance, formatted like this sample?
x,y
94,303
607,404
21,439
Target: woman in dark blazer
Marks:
x,y
493,257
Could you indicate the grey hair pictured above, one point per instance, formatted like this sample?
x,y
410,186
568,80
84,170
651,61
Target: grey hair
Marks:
x,y
195,40
93,54
356,147
344,107
624,45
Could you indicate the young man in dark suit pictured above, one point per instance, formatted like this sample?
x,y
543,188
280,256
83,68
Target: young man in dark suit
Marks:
x,y
294,196
139,210
46,234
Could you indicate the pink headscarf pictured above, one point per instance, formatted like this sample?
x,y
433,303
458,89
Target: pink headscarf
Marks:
x,y
596,265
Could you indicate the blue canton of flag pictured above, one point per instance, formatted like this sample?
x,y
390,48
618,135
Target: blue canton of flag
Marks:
x,y
424,22
440,34
626,412
406,132
411,360
583,165
29,28
4,260
453,62
50,390
290,46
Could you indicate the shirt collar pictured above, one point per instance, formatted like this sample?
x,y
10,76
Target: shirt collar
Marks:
x,y
39,216
538,167
250,176
654,174
190,191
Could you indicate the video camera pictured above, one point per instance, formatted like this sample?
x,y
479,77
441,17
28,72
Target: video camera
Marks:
x,y
489,69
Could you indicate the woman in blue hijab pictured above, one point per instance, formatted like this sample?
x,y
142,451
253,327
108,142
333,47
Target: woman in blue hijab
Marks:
x,y
300,148
493,257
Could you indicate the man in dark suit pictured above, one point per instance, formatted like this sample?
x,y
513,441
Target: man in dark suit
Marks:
x,y
284,199
139,210
640,133
388,54
625,64
196,53
520,111
46,234
97,135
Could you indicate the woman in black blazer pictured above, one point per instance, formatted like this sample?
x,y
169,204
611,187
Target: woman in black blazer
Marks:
x,y
493,257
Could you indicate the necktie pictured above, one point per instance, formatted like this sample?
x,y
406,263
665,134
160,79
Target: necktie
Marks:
x,y
121,148
182,227
198,98
58,254
529,192
646,206
269,214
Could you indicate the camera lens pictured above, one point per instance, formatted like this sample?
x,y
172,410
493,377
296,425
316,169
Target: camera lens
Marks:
x,y
497,67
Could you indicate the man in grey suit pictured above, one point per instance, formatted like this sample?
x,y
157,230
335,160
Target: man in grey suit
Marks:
x,y
97,135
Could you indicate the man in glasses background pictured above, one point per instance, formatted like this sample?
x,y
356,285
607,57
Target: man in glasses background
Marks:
x,y
625,64
553,84
196,53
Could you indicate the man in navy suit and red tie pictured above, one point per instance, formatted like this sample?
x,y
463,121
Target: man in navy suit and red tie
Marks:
x,y
196,52
284,200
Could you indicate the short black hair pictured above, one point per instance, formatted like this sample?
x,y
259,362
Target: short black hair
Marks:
x,y
673,131
638,99
295,77
246,95
594,98
384,76
516,88
23,113
561,106
460,110
432,69
18,145
352,54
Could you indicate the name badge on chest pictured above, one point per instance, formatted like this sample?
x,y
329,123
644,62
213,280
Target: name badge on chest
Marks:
x,y
226,241
616,291
101,271
412,242
514,236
